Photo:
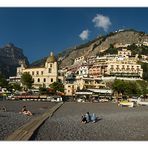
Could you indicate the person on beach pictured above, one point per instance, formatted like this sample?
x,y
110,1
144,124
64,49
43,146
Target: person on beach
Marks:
x,y
83,120
25,111
93,118
3,109
87,115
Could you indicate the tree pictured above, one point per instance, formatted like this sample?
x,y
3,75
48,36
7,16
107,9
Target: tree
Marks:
x,y
43,90
57,86
16,86
130,87
27,80
3,81
144,66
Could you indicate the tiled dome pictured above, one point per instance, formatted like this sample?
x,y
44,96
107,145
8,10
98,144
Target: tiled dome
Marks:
x,y
51,58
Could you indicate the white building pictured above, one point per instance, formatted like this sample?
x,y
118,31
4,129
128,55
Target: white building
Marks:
x,y
83,71
79,60
42,76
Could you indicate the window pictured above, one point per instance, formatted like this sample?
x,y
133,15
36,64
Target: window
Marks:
x,y
38,79
59,80
37,72
41,72
49,70
51,79
32,72
44,79
50,65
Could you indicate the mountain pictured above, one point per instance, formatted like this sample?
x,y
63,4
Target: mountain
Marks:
x,y
10,55
103,43
99,45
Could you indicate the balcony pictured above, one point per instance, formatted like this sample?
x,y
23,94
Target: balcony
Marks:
x,y
121,74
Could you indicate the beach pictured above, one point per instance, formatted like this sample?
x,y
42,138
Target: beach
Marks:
x,y
11,120
114,123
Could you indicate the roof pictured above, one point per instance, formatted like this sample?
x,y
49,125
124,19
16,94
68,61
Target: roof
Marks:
x,y
51,58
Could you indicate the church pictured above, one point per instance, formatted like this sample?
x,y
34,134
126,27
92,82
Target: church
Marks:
x,y
42,76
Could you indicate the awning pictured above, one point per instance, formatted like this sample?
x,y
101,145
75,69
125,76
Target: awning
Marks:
x,y
107,91
84,93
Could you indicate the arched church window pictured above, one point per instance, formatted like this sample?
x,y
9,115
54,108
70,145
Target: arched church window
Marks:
x,y
38,79
49,70
44,79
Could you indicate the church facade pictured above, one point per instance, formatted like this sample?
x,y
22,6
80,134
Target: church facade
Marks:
x,y
42,76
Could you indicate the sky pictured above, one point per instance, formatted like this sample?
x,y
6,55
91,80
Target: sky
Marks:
x,y
38,31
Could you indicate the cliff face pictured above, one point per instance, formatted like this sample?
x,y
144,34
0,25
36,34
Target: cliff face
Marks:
x,y
97,46
103,43
9,59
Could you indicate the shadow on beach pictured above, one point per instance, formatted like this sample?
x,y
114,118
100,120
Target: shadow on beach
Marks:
x,y
98,119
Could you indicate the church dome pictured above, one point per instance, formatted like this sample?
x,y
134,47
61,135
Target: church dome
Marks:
x,y
51,58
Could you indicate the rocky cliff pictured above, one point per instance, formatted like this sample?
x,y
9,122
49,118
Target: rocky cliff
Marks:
x,y
9,59
103,43
98,46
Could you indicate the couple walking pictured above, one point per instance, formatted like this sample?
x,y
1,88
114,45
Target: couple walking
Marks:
x,y
88,118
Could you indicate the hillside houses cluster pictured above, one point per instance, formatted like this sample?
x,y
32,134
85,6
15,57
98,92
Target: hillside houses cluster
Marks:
x,y
86,73
93,72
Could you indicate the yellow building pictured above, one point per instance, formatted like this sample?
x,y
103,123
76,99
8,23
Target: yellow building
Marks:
x,y
42,76
125,67
70,89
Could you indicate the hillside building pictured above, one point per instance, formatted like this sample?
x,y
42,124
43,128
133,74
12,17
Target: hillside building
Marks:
x,y
42,76
124,53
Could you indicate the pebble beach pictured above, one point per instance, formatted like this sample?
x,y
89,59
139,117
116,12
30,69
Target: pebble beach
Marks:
x,y
11,120
114,123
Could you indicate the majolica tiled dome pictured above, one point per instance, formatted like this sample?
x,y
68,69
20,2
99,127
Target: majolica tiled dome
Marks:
x,y
51,58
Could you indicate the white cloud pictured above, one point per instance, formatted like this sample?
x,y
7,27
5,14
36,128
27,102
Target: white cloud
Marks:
x,y
102,21
84,35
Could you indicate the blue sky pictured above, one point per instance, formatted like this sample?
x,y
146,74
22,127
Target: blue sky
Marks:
x,y
41,30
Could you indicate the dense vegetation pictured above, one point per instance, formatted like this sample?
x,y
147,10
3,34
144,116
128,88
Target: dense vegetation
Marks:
x,y
27,80
3,82
145,70
130,87
57,86
141,50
